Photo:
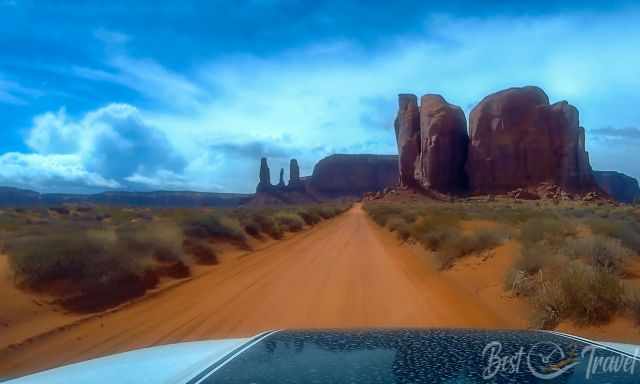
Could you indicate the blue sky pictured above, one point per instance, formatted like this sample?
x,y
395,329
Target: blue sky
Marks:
x,y
189,95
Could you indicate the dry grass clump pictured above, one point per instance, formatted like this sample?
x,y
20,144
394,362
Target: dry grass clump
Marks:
x,y
452,245
105,265
578,281
601,252
551,230
626,230
106,255
632,303
275,221
289,221
436,227
400,226
580,292
204,225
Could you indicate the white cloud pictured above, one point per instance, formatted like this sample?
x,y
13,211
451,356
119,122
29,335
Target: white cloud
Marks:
x,y
14,93
341,96
49,172
104,148
150,79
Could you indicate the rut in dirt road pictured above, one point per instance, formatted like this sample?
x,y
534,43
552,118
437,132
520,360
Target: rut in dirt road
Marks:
x,y
345,272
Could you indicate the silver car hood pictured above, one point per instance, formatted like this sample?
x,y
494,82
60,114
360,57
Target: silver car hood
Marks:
x,y
173,363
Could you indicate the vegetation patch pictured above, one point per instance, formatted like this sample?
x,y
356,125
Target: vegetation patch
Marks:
x,y
105,255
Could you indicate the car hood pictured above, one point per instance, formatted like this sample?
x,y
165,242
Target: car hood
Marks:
x,y
172,363
355,356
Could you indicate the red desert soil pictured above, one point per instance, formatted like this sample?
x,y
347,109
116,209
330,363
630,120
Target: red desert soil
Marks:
x,y
346,272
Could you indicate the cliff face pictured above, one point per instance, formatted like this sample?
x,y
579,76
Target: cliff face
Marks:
x,y
621,187
432,143
343,175
518,139
407,128
264,178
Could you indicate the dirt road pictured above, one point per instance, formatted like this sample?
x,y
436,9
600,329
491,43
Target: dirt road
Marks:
x,y
343,273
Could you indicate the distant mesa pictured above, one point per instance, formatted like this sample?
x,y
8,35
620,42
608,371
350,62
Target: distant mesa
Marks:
x,y
621,187
353,175
15,197
335,176
516,141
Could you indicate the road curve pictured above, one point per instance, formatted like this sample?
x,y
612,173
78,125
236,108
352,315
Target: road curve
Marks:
x,y
345,272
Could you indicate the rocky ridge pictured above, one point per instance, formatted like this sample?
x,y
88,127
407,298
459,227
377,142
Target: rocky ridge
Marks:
x,y
517,143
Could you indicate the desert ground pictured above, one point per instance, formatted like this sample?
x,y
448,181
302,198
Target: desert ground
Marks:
x,y
343,272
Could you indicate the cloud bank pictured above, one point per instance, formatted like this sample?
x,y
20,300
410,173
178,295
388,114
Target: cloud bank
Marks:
x,y
206,127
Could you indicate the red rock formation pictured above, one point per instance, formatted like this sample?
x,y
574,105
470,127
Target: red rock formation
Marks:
x,y
264,183
443,145
353,175
295,183
519,140
407,127
281,184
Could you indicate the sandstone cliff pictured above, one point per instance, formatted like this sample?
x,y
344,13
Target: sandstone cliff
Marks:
x,y
517,139
353,175
432,143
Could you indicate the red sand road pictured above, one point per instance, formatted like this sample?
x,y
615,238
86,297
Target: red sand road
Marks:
x,y
345,272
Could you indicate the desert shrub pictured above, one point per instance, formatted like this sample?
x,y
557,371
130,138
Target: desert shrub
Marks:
x,y
252,228
289,221
381,212
310,216
592,295
435,239
269,225
599,251
533,257
85,256
627,231
214,225
161,240
632,303
585,294
201,251
551,230
398,225
520,283
453,244
549,303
